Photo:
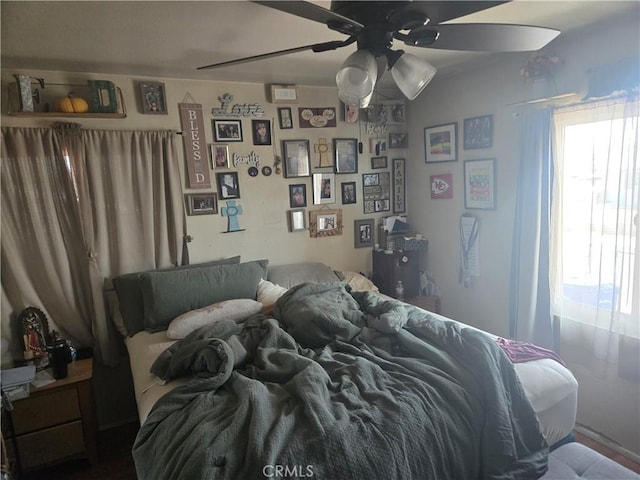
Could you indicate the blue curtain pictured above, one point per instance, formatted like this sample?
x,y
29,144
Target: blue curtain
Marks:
x,y
530,317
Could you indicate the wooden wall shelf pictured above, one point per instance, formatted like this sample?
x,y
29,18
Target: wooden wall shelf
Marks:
x,y
67,115
52,92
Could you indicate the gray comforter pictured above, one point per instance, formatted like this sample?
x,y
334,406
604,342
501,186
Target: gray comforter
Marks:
x,y
340,385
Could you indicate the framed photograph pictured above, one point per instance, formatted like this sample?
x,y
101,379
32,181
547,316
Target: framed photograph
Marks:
x,y
201,203
346,155
324,185
219,156
284,94
227,130
296,158
153,98
297,221
348,193
398,140
399,193
397,113
351,113
478,132
298,195
363,233
228,185
440,143
379,162
480,184
285,118
261,132
325,222
377,145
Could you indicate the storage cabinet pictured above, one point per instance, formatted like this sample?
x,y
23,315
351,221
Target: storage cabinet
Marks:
x,y
389,268
57,421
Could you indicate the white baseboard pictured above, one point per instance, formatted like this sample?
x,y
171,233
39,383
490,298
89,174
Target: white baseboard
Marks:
x,y
607,442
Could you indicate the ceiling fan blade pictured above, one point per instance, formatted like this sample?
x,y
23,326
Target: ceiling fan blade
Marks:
x,y
482,37
439,11
316,13
316,47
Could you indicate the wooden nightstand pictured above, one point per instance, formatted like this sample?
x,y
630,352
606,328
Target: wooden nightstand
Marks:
x,y
427,302
56,422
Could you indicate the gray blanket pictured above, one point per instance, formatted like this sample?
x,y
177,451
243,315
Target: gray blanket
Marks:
x,y
340,385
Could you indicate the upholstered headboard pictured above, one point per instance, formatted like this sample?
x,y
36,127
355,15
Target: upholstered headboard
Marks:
x,y
150,300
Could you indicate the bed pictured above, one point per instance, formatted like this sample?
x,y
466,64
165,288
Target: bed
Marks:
x,y
323,376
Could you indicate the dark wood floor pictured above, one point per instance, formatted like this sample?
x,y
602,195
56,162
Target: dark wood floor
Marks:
x,y
115,462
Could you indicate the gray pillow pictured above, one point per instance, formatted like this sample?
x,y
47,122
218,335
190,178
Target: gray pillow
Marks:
x,y
294,274
167,294
130,296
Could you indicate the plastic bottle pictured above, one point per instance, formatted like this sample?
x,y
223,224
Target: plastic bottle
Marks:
x,y
399,290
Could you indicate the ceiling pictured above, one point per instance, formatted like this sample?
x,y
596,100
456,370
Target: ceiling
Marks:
x,y
171,39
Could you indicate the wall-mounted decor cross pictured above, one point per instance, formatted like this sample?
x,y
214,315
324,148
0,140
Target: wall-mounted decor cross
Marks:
x,y
231,211
323,148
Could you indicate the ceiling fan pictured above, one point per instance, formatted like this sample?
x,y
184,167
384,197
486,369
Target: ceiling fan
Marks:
x,y
374,25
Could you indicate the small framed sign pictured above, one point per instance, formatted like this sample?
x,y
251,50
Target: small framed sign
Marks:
x,y
284,94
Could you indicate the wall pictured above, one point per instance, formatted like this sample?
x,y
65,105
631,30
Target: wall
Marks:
x,y
264,199
493,88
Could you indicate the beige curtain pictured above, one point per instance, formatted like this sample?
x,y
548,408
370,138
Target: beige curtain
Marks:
x,y
122,192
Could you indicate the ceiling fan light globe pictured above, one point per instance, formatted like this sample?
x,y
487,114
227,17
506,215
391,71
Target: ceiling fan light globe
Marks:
x,y
412,74
356,78
360,102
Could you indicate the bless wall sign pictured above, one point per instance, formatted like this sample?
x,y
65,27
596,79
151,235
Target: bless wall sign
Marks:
x,y
194,142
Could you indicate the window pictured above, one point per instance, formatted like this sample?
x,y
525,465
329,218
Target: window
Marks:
x,y
595,266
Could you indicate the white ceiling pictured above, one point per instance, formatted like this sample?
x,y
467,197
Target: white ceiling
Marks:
x,y
171,39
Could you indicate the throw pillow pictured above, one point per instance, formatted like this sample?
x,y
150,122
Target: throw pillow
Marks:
x,y
236,310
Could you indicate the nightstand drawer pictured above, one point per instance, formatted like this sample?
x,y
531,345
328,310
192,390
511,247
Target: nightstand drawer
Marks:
x,y
46,410
51,444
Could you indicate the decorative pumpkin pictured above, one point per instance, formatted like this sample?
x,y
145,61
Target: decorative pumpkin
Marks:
x,y
71,104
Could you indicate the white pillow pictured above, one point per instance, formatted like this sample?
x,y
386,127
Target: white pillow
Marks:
x,y
237,309
359,282
268,292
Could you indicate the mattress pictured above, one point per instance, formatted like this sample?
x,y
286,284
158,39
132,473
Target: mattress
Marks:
x,y
551,388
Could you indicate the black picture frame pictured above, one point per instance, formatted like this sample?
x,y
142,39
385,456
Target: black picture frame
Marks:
x,y
363,233
345,155
227,130
441,143
297,220
379,162
349,193
261,130
201,203
297,195
153,98
478,132
398,140
285,118
297,158
228,185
